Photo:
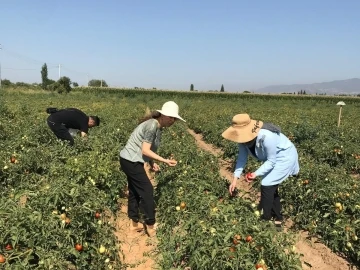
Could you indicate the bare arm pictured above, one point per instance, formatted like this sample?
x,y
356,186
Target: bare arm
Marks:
x,y
146,151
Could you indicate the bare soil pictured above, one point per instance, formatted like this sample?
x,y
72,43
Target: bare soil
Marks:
x,y
138,250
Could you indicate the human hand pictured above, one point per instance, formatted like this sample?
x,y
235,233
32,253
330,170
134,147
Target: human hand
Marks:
x,y
170,162
155,167
249,177
232,187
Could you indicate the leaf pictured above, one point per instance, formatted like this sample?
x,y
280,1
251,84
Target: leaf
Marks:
x,y
337,221
228,236
213,253
326,215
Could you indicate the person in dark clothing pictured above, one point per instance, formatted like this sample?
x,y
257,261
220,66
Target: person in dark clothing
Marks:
x,y
60,121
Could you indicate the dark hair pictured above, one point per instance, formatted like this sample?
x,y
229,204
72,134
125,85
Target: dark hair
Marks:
x,y
96,119
153,114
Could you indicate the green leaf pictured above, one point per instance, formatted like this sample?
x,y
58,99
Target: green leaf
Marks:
x,y
337,221
228,236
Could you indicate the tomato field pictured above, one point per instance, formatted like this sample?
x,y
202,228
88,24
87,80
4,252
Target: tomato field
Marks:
x,y
58,204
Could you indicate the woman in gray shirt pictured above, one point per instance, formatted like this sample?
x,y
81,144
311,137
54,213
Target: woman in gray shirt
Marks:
x,y
140,148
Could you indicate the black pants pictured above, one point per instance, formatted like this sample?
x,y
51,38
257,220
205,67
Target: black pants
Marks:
x,y
60,131
270,203
141,192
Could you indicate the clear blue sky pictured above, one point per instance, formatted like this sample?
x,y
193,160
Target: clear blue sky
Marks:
x,y
173,43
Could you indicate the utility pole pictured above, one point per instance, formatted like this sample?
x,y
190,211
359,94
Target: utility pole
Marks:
x,y
59,71
0,67
87,75
101,83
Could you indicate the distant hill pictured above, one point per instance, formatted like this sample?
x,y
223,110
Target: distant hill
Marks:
x,y
350,86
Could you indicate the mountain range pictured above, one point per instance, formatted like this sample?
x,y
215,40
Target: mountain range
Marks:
x,y
349,86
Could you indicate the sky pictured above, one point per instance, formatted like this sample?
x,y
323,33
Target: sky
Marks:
x,y
170,44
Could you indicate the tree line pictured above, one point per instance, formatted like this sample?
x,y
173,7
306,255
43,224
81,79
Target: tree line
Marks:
x,y
62,85
222,89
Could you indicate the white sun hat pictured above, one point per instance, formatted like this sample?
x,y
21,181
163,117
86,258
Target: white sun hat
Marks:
x,y
171,109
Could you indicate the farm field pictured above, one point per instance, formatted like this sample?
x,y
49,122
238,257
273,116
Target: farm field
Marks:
x,y
58,205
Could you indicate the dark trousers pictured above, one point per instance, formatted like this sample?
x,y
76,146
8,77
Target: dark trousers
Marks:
x,y
270,203
141,192
60,131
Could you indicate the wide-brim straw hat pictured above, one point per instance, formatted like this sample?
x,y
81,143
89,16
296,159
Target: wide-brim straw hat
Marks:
x,y
171,109
243,129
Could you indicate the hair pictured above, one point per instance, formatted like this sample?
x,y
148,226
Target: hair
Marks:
x,y
96,119
149,115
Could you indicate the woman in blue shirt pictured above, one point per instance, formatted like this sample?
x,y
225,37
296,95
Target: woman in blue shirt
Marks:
x,y
265,142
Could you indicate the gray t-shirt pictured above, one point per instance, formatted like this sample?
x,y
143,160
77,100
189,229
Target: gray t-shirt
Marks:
x,y
147,131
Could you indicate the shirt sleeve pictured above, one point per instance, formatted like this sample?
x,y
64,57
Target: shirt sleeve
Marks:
x,y
241,160
84,125
270,147
150,132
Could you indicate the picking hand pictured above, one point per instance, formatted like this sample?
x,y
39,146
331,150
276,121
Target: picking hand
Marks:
x,y
249,177
155,167
171,162
232,187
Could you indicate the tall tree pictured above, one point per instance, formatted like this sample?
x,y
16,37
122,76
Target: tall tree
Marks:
x,y
44,76
222,88
191,87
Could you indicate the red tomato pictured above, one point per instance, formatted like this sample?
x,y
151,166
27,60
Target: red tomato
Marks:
x,y
78,247
8,247
97,215
248,238
2,258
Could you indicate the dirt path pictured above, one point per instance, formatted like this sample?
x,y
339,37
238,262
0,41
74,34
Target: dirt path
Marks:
x,y
316,256
137,249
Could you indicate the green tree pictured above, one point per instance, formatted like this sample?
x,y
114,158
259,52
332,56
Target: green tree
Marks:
x,y
44,76
98,83
5,82
191,87
75,84
222,88
65,82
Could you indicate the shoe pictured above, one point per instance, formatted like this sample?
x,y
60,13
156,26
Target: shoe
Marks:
x,y
136,226
151,230
278,225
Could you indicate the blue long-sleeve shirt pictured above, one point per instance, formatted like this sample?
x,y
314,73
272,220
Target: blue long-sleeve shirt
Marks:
x,y
269,148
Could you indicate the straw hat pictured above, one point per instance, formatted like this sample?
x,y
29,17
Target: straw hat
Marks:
x,y
243,129
171,109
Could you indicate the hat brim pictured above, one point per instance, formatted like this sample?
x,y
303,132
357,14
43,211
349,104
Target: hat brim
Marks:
x,y
243,134
171,115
